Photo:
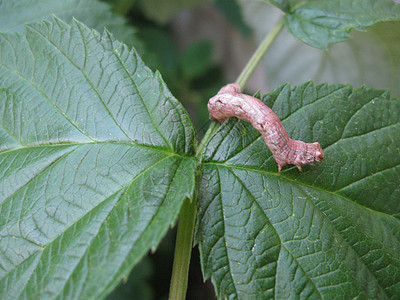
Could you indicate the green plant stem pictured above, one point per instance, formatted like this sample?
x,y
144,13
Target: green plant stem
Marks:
x,y
184,239
183,250
259,54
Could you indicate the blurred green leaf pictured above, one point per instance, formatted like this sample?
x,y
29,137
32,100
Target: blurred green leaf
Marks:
x,y
94,161
320,23
371,58
283,5
95,14
330,232
137,285
196,60
160,52
232,12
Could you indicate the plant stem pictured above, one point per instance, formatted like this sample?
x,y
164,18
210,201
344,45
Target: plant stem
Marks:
x,y
184,239
183,250
258,54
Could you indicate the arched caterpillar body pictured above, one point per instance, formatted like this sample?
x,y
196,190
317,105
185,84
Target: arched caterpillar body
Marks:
x,y
230,102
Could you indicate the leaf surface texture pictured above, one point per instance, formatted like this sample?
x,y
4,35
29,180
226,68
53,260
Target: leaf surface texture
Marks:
x,y
94,161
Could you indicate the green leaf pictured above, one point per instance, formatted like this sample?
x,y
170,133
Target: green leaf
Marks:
x,y
95,14
283,5
320,23
196,59
331,232
370,58
94,161
160,51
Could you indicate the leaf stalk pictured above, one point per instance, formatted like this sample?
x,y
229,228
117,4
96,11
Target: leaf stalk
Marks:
x,y
259,54
183,250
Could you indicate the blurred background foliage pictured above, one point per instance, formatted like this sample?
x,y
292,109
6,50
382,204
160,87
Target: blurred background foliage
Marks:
x,y
199,46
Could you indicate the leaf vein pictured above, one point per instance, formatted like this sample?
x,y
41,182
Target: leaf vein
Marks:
x,y
366,177
49,99
140,96
38,174
277,235
87,79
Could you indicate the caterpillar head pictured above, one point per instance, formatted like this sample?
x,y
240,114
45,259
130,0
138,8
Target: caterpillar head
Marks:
x,y
318,154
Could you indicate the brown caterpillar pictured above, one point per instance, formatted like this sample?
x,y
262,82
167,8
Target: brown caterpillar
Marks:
x,y
230,102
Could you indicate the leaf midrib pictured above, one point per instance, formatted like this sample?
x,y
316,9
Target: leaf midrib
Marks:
x,y
75,147
100,202
301,184
84,75
156,148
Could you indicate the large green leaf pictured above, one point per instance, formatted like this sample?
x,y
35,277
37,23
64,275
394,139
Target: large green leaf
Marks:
x,y
95,14
94,161
320,23
330,232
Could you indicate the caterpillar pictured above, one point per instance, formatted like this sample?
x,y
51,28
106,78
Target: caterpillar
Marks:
x,y
230,102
